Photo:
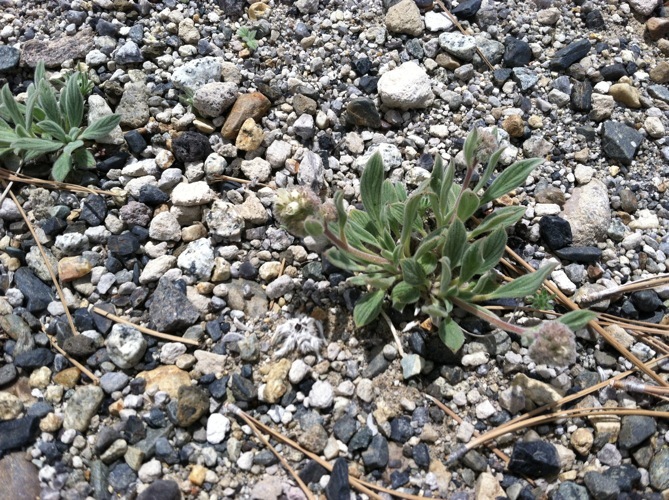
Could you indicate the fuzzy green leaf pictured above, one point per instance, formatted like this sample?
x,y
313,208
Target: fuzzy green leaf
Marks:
x,y
342,217
72,146
492,249
501,218
40,146
72,102
471,143
343,261
11,106
403,293
62,167
437,174
83,159
447,188
53,129
48,104
313,227
101,127
490,168
410,214
412,272
510,179
469,203
576,320
522,286
456,242
446,276
472,261
451,334
368,308
485,284
30,108
39,72
371,185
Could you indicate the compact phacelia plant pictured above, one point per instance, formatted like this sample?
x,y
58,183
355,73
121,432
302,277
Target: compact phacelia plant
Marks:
x,y
435,249
51,123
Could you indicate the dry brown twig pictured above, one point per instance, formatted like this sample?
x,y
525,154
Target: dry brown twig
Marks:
x,y
455,21
143,329
59,290
11,177
360,485
73,361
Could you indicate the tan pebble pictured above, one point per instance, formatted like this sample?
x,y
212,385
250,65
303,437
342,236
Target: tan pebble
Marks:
x,y
204,126
10,406
625,94
72,268
116,407
168,378
660,72
535,122
258,10
51,423
40,378
197,475
250,136
582,440
514,125
68,378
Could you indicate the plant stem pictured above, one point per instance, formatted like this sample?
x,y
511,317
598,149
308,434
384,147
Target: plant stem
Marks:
x,y
465,182
342,245
486,315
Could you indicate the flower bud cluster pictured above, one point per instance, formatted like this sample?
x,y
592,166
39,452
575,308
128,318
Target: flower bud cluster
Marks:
x,y
554,344
293,206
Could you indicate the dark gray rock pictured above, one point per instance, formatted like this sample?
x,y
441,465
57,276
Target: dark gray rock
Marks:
x,y
594,20
581,96
36,292
162,489
79,346
193,403
362,112
19,478
634,430
613,72
568,491
191,146
658,92
376,366
466,9
600,486
9,58
233,9
123,244
36,358
243,389
659,470
93,210
344,428
376,456
170,309
400,429
18,433
620,142
570,54
339,487
535,459
360,440
516,52
646,301
555,231
626,476
128,53
105,28
421,455
121,477
135,141
584,255
99,480
7,374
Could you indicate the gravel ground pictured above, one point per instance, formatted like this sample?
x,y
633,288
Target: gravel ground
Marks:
x,y
176,249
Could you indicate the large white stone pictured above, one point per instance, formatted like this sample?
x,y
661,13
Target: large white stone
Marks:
x,y
192,194
406,87
217,428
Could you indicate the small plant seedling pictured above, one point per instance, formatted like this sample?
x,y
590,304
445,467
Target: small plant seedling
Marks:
x,y
248,37
434,249
50,124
